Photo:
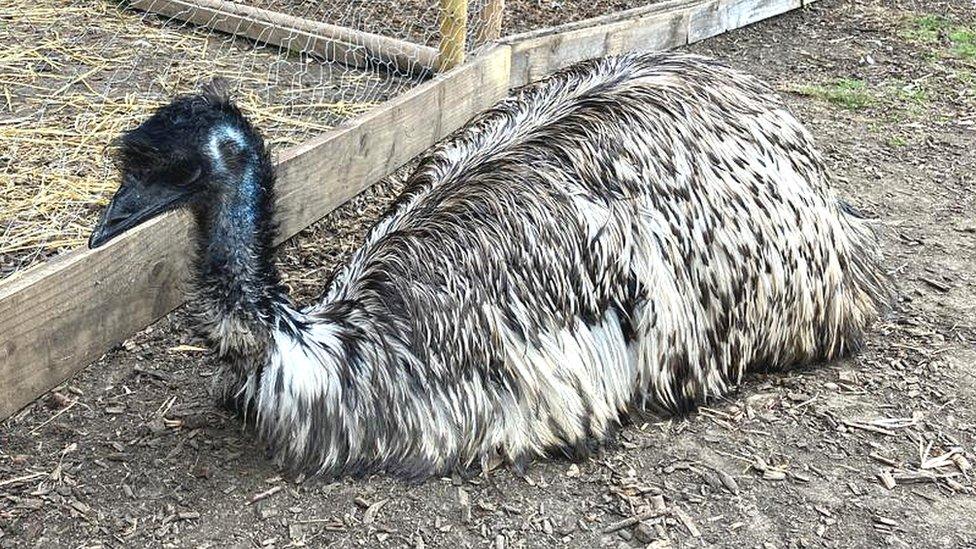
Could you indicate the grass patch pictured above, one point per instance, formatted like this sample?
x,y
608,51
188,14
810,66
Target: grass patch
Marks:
x,y
926,28
950,39
897,97
911,96
848,93
963,43
897,142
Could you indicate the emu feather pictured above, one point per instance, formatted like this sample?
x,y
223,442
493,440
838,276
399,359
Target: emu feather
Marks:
x,y
634,232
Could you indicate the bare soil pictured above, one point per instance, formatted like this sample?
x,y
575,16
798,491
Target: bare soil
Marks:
x,y
418,20
873,451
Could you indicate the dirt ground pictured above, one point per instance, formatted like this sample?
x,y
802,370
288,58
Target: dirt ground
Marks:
x,y
874,451
418,20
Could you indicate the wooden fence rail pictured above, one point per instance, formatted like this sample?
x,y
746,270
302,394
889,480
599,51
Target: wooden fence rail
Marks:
x,y
332,42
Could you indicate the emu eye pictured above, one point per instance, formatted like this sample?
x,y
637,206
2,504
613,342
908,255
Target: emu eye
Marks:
x,y
181,176
193,176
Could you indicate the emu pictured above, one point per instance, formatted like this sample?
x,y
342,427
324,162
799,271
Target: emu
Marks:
x,y
633,233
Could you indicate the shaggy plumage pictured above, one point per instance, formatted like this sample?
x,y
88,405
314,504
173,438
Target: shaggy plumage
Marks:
x,y
633,232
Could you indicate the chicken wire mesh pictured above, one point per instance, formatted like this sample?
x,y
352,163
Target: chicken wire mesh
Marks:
x,y
74,74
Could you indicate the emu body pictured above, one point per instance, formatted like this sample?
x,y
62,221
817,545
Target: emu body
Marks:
x,y
633,232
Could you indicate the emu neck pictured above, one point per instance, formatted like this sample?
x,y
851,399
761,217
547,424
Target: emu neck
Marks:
x,y
238,282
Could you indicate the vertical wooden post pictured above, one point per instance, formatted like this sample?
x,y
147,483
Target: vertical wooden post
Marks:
x,y
491,21
454,31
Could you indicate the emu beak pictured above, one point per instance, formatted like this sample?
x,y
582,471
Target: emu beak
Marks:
x,y
132,204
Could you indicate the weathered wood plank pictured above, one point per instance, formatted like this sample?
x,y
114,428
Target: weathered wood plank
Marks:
x,y
747,12
332,42
718,16
654,28
60,316
651,28
706,20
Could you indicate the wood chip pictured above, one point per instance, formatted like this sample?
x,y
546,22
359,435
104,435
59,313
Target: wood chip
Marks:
x,y
361,502
265,494
773,474
686,522
887,480
630,521
19,480
886,521
800,477
869,427
961,463
369,516
956,486
935,284
728,481
187,349
886,460
464,501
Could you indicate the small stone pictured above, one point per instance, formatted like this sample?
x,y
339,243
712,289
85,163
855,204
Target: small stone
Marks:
x,y
567,528
657,502
644,533
267,512
296,532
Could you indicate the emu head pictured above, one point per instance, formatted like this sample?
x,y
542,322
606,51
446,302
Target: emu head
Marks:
x,y
184,155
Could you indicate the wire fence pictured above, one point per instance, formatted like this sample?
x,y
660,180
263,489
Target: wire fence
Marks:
x,y
74,74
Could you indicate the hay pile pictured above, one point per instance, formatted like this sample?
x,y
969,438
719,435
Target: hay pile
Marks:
x,y
76,73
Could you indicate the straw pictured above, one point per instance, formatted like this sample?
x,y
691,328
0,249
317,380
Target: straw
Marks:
x,y
74,75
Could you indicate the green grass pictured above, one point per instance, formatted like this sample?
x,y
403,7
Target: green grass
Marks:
x,y
897,142
924,29
949,39
911,96
848,93
963,43
901,99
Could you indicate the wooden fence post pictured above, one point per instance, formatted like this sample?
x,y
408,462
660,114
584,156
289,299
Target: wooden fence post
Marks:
x,y
491,21
454,31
